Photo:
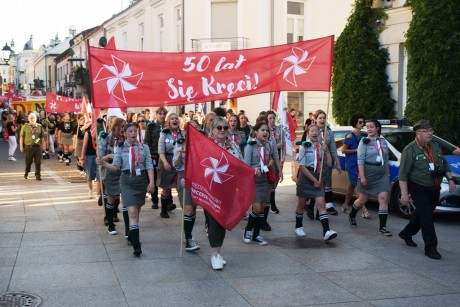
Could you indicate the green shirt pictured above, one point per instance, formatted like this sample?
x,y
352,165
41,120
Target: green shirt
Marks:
x,y
31,135
415,164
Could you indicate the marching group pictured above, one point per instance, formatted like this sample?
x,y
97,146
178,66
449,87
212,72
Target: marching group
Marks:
x,y
138,156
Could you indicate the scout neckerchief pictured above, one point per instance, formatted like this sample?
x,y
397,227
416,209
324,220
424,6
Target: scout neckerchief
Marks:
x,y
273,133
263,159
317,159
133,158
378,146
429,155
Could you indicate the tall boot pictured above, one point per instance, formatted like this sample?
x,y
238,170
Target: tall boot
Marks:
x,y
110,213
171,206
265,226
274,208
134,234
164,208
126,220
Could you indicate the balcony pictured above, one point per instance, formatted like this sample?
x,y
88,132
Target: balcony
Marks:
x,y
219,44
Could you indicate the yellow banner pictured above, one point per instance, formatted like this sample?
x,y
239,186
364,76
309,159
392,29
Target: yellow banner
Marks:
x,y
29,106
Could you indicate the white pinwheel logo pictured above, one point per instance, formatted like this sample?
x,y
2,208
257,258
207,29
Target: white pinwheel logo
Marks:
x,y
119,78
53,106
296,64
215,170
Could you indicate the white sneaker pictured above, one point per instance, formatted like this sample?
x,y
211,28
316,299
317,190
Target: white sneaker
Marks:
x,y
300,232
222,259
216,263
329,235
90,194
247,238
11,158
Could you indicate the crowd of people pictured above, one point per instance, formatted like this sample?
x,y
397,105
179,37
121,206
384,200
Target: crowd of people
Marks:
x,y
144,153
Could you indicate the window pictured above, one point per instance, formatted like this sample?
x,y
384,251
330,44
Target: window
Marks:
x,y
124,40
160,32
141,37
178,35
295,21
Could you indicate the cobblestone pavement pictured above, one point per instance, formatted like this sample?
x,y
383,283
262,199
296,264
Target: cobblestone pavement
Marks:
x,y
53,244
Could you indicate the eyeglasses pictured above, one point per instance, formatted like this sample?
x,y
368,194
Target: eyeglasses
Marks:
x,y
428,131
222,127
141,121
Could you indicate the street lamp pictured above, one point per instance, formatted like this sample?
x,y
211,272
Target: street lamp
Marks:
x,y
6,53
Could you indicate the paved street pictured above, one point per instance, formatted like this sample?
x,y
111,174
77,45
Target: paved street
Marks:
x,y
54,244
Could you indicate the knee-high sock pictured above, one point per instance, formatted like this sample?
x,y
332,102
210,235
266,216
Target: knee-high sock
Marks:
x,y
266,210
110,210
354,211
251,221
324,222
258,223
298,220
189,221
134,235
383,215
328,198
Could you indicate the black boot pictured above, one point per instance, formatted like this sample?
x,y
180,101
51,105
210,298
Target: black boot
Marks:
x,y
164,208
273,203
134,234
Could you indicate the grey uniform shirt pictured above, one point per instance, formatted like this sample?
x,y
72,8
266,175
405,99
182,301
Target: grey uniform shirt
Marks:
x,y
103,145
252,155
370,152
142,155
307,155
166,143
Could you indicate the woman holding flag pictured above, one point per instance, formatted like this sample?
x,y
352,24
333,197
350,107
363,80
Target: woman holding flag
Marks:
x,y
216,233
309,184
277,141
260,155
134,161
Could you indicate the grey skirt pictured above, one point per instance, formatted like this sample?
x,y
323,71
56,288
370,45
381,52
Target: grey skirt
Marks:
x,y
66,139
166,179
305,187
77,152
133,189
112,183
377,180
263,189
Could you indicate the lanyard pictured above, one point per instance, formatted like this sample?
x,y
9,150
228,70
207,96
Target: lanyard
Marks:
x,y
378,146
429,154
262,152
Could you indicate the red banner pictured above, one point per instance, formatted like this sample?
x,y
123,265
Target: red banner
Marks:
x,y
220,183
133,79
58,103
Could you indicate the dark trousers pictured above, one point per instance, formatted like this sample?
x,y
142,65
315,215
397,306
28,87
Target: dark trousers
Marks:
x,y
33,154
216,233
154,194
425,201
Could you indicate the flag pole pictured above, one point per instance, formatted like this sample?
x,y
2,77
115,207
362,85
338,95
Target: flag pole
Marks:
x,y
182,224
325,135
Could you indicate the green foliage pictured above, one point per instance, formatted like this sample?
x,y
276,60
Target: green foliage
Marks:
x,y
359,81
433,70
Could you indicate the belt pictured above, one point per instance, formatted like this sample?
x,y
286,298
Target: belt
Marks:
x,y
129,172
374,164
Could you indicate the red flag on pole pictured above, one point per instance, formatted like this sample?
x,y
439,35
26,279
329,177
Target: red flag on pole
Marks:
x,y
220,183
58,103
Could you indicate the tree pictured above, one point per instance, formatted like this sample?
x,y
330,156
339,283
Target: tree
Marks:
x,y
433,69
359,81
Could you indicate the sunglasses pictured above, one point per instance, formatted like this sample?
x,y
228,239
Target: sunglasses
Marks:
x,y
141,121
361,122
222,127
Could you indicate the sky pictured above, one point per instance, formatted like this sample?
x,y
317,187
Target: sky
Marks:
x,y
44,18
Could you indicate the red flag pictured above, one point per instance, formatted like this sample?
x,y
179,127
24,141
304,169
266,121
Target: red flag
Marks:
x,y
220,183
122,78
58,103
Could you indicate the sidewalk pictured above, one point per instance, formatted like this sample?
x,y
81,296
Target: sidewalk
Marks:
x,y
54,244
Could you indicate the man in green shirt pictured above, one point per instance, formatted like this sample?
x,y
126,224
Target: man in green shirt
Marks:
x,y
32,141
422,169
